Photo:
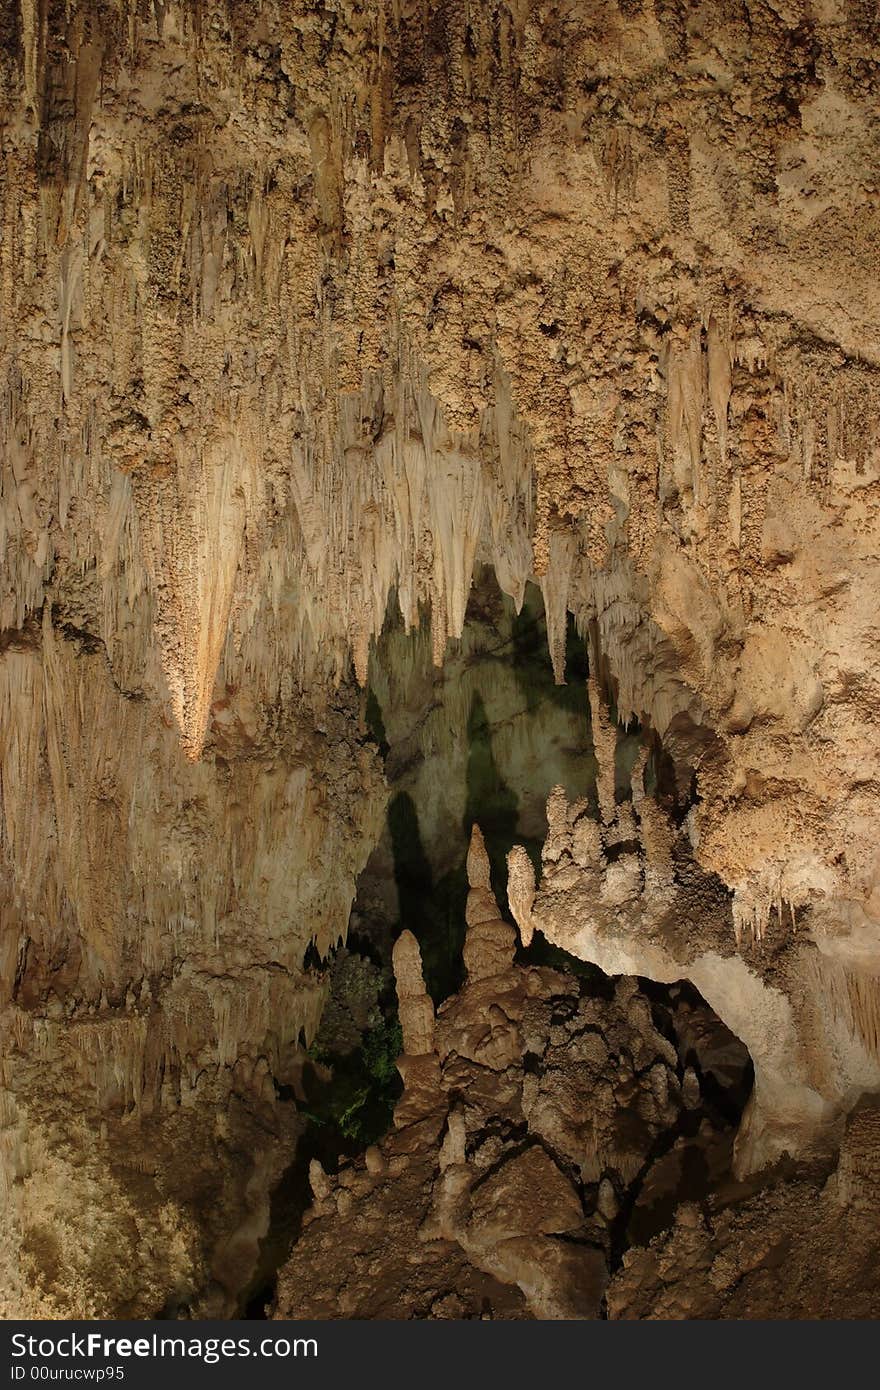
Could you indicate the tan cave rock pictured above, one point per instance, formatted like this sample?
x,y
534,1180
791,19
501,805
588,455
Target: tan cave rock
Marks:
x,y
308,314
622,907
514,1190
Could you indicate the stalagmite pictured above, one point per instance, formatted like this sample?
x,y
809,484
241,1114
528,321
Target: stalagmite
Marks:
x,y
318,1181
558,839
490,942
453,1148
414,1003
654,828
478,867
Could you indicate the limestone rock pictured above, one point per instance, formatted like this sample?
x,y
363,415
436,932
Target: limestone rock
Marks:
x,y
510,1144
521,891
414,1003
526,1195
490,943
305,307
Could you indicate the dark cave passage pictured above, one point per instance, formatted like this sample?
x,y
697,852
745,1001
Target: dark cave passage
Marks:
x,y
483,740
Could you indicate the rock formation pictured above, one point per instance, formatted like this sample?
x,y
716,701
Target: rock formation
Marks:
x,y
626,894
804,1249
489,1184
566,1160
484,737
154,999
416,1009
306,311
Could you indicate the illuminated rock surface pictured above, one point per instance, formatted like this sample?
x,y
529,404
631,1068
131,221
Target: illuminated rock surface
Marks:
x,y
305,313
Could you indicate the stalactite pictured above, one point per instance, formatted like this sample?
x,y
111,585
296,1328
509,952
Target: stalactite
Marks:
x,y
853,998
718,352
604,741
521,891
555,585
685,407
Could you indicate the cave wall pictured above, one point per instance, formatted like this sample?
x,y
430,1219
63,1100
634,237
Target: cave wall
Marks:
x,y
155,917
626,893
301,305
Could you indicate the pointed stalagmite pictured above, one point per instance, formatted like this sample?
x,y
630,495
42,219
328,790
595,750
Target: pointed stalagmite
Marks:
x,y
490,943
319,1181
481,905
478,867
558,840
413,1000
